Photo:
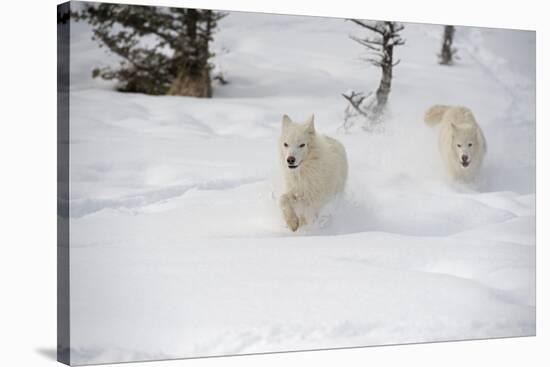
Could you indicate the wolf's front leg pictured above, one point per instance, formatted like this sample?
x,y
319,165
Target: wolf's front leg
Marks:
x,y
291,219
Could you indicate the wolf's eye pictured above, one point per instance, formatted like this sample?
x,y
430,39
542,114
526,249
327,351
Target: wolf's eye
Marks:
x,y
302,145
458,145
286,145
470,144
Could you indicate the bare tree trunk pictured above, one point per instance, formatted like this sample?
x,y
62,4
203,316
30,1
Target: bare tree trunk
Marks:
x,y
446,55
384,88
383,37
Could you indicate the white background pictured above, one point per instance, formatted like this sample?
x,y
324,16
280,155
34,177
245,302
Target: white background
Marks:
x,y
28,182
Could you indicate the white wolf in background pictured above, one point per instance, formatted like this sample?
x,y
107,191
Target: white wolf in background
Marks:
x,y
461,141
315,169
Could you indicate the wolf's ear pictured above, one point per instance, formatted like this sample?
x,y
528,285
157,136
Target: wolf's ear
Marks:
x,y
286,121
310,125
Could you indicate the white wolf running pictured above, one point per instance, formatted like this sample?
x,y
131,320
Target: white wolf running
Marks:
x,y
315,169
461,141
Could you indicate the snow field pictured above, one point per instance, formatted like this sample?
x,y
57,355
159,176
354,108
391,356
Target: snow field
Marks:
x,y
178,248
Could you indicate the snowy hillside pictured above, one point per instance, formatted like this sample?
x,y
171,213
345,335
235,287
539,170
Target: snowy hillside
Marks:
x,y
178,248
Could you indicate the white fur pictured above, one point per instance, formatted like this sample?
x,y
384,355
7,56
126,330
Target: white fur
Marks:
x,y
460,136
320,172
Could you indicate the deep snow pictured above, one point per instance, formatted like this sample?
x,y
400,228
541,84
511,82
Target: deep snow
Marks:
x,y
177,245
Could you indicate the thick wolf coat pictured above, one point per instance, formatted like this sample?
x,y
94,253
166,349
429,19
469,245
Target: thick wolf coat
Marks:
x,y
461,141
315,169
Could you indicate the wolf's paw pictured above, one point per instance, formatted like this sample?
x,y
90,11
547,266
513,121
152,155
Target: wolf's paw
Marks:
x,y
293,223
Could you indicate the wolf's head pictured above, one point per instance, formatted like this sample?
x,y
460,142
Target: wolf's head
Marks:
x,y
296,141
467,139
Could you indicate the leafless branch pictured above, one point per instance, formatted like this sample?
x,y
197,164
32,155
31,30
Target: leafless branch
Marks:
x,y
368,26
398,27
367,41
355,100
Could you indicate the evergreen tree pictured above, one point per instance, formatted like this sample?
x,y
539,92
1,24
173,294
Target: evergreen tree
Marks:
x,y
163,50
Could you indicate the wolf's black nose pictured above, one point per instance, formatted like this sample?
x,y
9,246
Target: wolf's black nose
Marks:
x,y
464,158
291,160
